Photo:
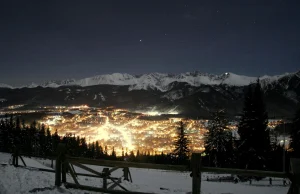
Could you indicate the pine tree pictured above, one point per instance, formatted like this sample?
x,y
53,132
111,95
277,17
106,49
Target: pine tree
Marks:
x,y
131,156
181,144
27,141
17,133
42,140
83,147
99,151
105,151
10,128
77,151
34,138
113,154
93,150
218,139
123,155
55,141
73,145
295,135
138,156
49,146
18,124
254,144
2,136
23,124
11,122
7,134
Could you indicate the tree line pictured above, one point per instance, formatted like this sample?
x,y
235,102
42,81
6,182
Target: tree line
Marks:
x,y
36,140
255,146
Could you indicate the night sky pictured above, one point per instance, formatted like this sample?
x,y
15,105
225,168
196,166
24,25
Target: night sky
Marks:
x,y
46,40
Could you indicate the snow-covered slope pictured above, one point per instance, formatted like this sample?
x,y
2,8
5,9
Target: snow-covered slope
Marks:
x,y
160,81
110,79
20,180
5,86
32,85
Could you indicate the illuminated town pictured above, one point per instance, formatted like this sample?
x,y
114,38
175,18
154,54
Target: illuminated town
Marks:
x,y
122,130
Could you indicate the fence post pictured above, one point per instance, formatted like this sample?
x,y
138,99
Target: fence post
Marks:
x,y
126,173
295,168
61,149
105,173
58,171
196,173
63,171
16,156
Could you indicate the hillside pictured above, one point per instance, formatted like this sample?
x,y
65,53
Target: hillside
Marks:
x,y
20,180
191,94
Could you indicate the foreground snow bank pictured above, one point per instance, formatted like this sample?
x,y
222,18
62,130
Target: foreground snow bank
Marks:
x,y
20,180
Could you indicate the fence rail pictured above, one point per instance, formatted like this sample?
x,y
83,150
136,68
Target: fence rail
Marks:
x,y
245,172
89,188
195,167
113,163
64,163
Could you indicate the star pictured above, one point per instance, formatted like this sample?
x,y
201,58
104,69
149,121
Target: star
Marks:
x,y
140,40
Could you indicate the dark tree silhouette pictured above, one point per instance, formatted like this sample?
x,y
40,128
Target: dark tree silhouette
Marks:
x,y
181,144
99,151
295,135
113,154
49,146
254,144
218,140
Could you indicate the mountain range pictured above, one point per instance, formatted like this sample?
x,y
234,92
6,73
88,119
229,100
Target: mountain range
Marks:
x,y
191,93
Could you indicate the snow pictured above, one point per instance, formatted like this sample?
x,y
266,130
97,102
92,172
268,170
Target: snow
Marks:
x,y
238,80
2,100
161,81
5,86
102,97
173,95
111,79
20,180
57,83
173,110
51,85
205,90
32,85
291,95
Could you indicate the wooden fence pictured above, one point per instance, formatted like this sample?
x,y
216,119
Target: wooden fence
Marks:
x,y
65,164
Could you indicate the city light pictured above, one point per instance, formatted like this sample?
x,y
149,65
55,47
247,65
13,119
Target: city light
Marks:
x,y
124,130
121,129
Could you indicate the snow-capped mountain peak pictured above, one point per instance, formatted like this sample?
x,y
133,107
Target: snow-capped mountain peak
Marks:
x,y
160,81
5,86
